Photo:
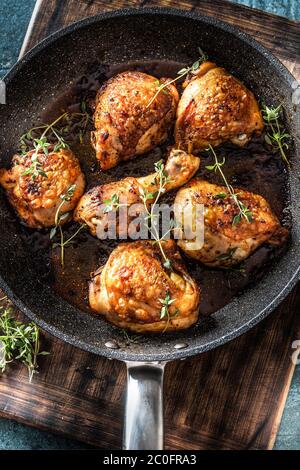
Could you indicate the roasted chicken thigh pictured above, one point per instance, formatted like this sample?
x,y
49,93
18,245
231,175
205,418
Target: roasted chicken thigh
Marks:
x,y
134,290
37,196
227,243
91,210
126,123
215,107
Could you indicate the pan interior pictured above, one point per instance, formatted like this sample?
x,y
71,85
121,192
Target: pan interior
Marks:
x,y
140,38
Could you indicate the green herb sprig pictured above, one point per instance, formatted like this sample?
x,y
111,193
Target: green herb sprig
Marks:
x,y
244,212
161,180
36,168
79,120
59,218
58,134
42,145
19,342
63,243
161,87
276,135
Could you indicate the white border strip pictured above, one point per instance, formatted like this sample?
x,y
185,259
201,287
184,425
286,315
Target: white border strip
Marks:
x,y
36,9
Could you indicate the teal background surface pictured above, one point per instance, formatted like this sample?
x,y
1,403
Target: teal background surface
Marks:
x,y
14,19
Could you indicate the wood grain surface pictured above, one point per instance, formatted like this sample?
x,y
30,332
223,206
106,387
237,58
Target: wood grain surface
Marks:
x,y
229,398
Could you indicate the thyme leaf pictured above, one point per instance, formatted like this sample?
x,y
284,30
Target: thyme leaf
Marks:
x,y
228,255
165,312
220,196
166,302
41,145
113,204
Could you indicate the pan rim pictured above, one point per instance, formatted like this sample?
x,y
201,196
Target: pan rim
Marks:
x,y
122,355
192,350
121,12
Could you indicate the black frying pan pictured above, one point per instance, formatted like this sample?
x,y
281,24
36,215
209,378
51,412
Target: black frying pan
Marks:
x,y
122,37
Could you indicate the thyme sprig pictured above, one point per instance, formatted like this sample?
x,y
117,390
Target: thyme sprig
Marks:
x,y
42,145
161,87
83,120
57,135
161,180
53,137
59,218
78,121
63,243
276,135
19,342
244,212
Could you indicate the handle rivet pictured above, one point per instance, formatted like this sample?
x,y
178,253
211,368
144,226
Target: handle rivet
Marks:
x,y
180,346
112,344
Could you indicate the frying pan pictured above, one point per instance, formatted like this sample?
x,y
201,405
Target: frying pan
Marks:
x,y
124,36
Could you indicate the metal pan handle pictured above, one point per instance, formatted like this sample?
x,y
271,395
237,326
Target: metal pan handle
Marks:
x,y
143,428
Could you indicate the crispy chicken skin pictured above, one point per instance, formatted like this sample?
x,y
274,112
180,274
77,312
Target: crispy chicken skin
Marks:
x,y
180,168
36,200
226,244
128,289
125,126
215,107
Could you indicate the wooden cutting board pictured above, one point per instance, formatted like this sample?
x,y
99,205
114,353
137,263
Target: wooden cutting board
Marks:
x,y
229,398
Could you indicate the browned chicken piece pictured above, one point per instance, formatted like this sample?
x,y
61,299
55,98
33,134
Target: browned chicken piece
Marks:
x,y
133,287
227,243
91,210
126,125
215,107
36,197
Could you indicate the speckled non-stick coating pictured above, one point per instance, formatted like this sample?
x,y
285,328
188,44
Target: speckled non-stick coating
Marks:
x,y
123,36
